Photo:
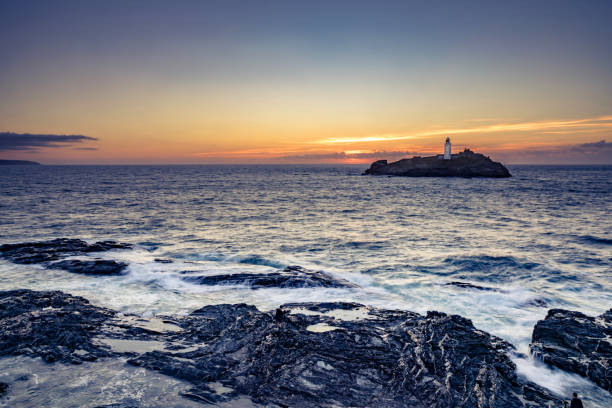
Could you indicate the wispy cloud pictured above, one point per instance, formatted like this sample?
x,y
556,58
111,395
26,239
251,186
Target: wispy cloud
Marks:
x,y
351,155
306,155
599,152
601,122
33,142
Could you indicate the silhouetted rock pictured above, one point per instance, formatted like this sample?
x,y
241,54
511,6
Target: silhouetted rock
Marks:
x,y
95,267
290,277
3,388
464,164
577,343
46,251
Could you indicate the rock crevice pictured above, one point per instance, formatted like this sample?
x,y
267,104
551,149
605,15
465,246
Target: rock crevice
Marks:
x,y
300,355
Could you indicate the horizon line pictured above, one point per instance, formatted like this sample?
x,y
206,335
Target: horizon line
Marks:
x,y
272,164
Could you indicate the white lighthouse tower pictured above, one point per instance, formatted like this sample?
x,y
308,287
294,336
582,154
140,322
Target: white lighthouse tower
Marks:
x,y
447,149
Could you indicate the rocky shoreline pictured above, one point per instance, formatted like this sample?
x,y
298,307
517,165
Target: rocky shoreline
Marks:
x,y
301,354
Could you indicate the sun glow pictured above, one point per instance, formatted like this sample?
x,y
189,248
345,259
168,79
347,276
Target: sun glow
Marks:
x,y
597,122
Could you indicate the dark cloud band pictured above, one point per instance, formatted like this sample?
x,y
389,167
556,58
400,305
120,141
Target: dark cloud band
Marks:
x,y
32,142
346,155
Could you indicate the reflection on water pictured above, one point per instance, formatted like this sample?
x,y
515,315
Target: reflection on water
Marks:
x,y
34,383
538,240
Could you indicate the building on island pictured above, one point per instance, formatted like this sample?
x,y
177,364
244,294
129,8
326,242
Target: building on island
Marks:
x,y
447,149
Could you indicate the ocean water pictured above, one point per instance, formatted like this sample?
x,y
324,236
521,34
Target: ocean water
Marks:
x,y
541,239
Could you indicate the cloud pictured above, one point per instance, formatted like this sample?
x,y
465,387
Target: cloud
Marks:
x,y
594,147
599,152
33,142
600,122
382,154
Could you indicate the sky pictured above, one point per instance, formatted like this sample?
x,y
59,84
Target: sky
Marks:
x,y
143,82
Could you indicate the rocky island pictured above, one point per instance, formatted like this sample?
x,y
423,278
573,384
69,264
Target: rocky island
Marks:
x,y
464,164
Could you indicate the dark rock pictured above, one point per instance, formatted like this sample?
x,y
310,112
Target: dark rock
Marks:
x,y
467,285
46,251
290,277
577,343
52,325
116,405
385,358
95,267
3,388
161,260
388,359
536,302
464,164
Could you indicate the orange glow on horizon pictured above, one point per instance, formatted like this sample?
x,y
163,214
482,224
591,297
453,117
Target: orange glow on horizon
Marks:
x,y
191,146
502,127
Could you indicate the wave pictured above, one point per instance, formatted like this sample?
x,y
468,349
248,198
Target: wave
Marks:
x,y
596,240
257,260
485,268
371,245
488,262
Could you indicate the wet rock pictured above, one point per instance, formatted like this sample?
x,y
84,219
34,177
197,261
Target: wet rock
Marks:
x,y
3,388
52,325
388,359
538,302
163,260
467,285
577,343
119,405
290,277
305,356
95,267
47,251
464,164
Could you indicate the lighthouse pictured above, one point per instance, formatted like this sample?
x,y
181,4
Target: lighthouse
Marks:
x,y
447,149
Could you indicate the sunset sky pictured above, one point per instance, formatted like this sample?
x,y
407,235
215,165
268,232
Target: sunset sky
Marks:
x,y
304,81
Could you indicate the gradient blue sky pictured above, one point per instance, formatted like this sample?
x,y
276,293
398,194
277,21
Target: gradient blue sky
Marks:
x,y
270,81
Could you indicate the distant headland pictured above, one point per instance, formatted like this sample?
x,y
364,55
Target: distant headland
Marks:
x,y
464,164
18,163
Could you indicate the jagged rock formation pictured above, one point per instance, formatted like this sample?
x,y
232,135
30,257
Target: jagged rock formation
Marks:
x,y
47,251
464,164
301,355
576,342
51,325
95,267
290,277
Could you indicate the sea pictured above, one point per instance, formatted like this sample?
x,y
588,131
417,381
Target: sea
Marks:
x,y
539,240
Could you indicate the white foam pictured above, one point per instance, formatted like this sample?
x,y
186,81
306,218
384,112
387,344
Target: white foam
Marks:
x,y
562,383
